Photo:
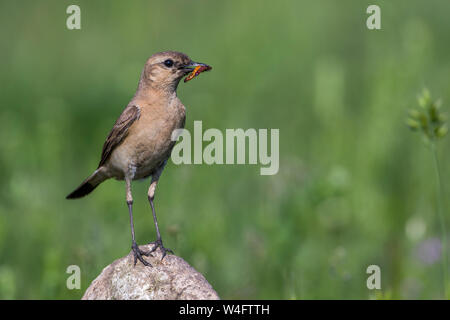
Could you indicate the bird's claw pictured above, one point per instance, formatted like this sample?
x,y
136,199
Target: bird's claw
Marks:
x,y
158,244
138,253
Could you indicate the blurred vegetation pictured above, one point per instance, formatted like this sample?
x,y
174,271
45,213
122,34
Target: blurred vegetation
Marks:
x,y
355,188
431,122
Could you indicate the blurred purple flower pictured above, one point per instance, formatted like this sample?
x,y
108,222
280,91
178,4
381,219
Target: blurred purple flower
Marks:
x,y
429,251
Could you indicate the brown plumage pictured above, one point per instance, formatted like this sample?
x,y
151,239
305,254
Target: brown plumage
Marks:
x,y
119,131
139,143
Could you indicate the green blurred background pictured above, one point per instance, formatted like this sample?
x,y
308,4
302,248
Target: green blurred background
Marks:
x,y
355,186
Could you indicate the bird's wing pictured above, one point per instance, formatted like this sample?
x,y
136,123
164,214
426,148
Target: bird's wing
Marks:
x,y
119,131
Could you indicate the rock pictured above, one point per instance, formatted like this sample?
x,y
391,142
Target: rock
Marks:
x,y
169,279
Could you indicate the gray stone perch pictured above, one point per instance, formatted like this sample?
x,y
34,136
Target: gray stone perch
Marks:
x,y
170,279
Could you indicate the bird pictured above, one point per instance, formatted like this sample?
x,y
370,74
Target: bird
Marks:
x,y
139,144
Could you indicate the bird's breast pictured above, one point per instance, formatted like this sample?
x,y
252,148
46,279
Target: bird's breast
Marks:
x,y
149,142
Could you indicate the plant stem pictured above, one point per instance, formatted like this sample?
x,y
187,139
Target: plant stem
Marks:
x,y
441,219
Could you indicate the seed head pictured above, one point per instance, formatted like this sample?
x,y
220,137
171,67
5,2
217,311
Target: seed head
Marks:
x,y
428,119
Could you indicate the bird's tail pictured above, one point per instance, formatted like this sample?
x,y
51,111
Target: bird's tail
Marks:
x,y
89,184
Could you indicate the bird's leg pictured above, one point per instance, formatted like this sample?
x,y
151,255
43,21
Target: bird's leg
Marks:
x,y
138,253
151,196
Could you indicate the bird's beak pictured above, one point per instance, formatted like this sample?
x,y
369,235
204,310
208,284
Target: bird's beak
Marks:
x,y
193,69
192,65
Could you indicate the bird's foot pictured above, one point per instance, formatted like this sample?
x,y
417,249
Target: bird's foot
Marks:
x,y
158,244
138,253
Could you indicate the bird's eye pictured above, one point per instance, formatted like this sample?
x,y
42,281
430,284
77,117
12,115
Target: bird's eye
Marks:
x,y
168,63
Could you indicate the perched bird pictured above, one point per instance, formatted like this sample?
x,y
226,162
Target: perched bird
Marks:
x,y
140,143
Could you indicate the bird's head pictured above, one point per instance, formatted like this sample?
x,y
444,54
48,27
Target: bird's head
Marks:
x,y
164,70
